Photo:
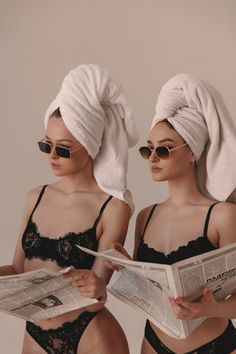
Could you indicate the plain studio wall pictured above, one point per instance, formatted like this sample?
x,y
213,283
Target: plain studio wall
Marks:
x,y
142,43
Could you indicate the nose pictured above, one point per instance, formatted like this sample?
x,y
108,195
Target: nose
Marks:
x,y
154,157
53,153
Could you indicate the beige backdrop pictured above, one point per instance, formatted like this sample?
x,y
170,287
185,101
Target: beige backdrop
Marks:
x,y
142,43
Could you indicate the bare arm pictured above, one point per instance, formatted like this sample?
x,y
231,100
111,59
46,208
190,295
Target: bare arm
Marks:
x,y
225,222
115,221
7,270
113,228
139,227
17,265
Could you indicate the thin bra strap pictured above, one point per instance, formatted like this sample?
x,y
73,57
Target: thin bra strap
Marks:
x,y
208,218
101,210
38,201
149,217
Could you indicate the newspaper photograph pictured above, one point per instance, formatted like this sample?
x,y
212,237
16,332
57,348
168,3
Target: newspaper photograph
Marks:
x,y
147,286
39,294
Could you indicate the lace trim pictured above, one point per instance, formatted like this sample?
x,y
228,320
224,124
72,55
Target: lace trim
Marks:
x,y
200,245
64,339
63,250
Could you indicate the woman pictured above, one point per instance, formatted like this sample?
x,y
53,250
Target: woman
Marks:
x,y
81,123
191,146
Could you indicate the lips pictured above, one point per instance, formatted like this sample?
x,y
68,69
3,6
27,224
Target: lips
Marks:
x,y
54,166
155,169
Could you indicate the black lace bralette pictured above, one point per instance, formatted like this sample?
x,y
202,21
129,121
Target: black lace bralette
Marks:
x,y
62,250
194,247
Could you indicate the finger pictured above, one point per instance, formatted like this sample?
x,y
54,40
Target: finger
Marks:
x,y
125,253
79,283
189,305
111,266
85,288
177,301
91,292
206,292
82,274
88,279
88,294
118,246
171,300
183,315
72,273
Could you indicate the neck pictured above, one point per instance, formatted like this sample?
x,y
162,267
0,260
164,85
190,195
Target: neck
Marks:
x,y
184,190
82,181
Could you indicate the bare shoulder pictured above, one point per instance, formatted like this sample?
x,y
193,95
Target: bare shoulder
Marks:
x,y
34,191
225,220
114,223
143,216
144,212
117,209
141,220
224,212
32,196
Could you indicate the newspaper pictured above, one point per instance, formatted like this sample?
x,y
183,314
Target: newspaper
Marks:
x,y
147,286
39,294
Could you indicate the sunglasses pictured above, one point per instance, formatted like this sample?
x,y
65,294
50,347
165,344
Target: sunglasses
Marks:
x,y
60,150
163,152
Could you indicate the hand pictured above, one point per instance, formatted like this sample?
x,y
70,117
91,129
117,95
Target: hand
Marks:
x,y
118,247
188,310
88,284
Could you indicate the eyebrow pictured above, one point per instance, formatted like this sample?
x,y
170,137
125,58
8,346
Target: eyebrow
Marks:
x,y
165,140
69,141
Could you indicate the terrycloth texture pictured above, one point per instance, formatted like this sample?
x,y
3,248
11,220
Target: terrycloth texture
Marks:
x,y
95,110
197,112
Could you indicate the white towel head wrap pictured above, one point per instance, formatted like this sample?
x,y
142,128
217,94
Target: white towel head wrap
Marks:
x,y
197,112
95,111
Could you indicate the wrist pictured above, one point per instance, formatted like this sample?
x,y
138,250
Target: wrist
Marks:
x,y
217,310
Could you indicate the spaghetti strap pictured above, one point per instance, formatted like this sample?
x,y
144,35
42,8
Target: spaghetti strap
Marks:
x,y
38,201
149,217
208,218
101,211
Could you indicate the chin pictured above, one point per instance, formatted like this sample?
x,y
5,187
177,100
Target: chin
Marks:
x,y
58,173
159,179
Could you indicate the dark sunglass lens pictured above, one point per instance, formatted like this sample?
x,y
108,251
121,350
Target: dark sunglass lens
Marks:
x,y
145,152
162,152
44,147
63,152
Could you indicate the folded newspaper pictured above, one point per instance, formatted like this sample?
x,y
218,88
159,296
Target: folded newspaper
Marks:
x,y
40,294
147,286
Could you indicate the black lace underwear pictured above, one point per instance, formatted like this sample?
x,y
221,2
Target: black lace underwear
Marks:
x,y
223,344
64,339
